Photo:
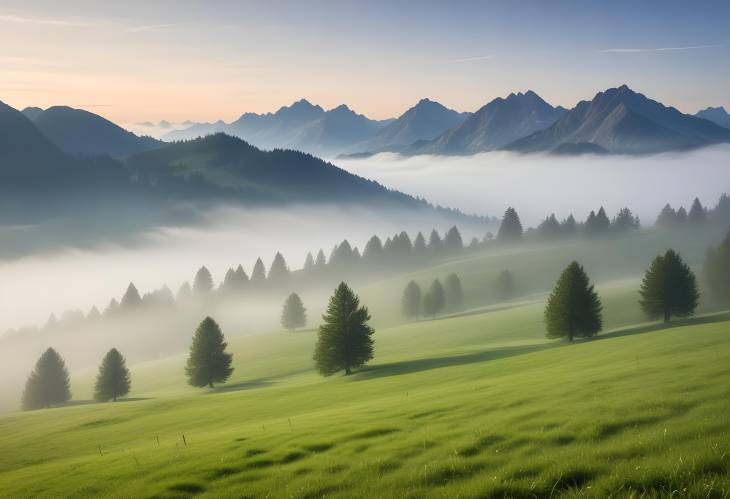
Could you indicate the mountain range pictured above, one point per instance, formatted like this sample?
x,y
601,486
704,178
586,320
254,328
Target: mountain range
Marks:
x,y
717,115
622,121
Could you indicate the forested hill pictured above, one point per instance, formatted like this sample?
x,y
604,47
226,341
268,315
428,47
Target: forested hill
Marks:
x,y
221,165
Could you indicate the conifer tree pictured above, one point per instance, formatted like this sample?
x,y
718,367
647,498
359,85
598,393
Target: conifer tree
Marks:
x,y
131,298
93,314
435,244
549,228
717,271
474,243
258,276
208,361
114,379
573,308
453,240
454,292
184,294
505,285
345,338
110,309
279,271
293,315
669,288
667,217
434,300
203,283
229,281
48,384
373,254
241,277
321,259
680,218
411,300
309,261
625,221
419,246
569,227
510,230
697,214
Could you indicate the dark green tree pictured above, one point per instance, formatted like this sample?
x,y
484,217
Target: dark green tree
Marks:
x,y
373,254
667,217
569,227
454,292
505,285
435,244
549,228
293,315
208,361
48,384
114,379
131,298
717,271
625,221
411,300
345,338
597,224
669,288
203,283
510,230
573,308
419,246
434,300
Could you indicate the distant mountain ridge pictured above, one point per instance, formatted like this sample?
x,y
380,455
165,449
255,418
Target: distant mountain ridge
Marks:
x,y
622,121
494,125
717,115
79,132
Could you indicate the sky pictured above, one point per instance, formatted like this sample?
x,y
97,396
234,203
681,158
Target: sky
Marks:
x,y
181,60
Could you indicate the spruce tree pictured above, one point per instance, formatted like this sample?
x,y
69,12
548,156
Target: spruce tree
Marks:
x,y
625,221
569,227
510,230
208,361
309,261
321,259
667,217
258,276
411,300
279,271
669,288
454,292
184,294
573,308
373,254
434,300
345,338
549,228
505,285
293,315
697,214
203,283
419,246
717,271
453,240
48,384
435,244
131,298
114,379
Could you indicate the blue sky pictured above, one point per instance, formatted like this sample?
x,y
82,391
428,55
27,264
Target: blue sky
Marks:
x,y
176,60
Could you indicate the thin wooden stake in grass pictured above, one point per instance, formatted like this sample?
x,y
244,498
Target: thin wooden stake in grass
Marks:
x,y
99,445
185,441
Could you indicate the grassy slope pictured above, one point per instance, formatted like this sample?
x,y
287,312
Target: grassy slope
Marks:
x,y
473,405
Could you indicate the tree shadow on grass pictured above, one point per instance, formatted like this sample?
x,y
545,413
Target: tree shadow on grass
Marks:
x,y
657,326
243,385
72,403
418,365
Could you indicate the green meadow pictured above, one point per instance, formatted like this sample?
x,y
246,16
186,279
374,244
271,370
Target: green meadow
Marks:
x,y
474,404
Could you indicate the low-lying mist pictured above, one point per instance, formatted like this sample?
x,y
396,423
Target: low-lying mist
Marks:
x,y
537,185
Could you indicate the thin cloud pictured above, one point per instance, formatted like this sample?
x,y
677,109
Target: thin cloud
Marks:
x,y
20,19
658,49
152,27
477,58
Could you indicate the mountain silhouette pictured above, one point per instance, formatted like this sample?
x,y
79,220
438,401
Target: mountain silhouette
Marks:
x,y
717,115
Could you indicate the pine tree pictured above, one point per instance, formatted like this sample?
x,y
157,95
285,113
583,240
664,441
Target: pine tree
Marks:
x,y
667,217
293,315
419,246
321,260
48,384
697,214
309,261
680,219
208,361
241,278
549,228
93,315
345,338
669,288
110,310
203,283
434,300
411,300
510,230
453,240
569,227
454,292
717,271
373,254
573,308
229,281
258,276
184,294
279,271
625,221
435,244
114,379
505,285
597,224
131,298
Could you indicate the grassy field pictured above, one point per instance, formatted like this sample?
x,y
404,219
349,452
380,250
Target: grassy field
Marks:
x,y
473,405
